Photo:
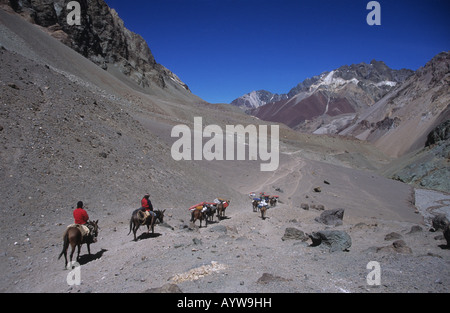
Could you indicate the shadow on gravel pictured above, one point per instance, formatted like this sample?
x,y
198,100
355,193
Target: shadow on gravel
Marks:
x,y
86,258
147,235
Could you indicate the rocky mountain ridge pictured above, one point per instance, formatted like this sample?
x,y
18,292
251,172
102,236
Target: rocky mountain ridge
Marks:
x,y
376,78
411,124
397,110
102,38
401,121
347,89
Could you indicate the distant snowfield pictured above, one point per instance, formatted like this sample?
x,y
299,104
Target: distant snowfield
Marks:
x,y
431,203
332,82
335,82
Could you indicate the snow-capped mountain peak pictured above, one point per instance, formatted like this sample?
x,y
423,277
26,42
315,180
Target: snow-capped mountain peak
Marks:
x,y
258,98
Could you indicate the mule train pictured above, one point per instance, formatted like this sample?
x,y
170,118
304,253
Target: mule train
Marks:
x,y
76,235
206,211
263,202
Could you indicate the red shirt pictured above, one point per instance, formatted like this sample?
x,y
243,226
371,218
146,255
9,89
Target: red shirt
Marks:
x,y
145,204
80,216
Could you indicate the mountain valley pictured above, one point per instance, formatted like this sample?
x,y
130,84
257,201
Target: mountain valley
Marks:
x,y
94,123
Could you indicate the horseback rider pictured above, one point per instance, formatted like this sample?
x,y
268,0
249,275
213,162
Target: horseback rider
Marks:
x,y
146,206
81,218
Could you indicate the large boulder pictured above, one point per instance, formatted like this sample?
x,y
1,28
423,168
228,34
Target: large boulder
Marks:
x,y
401,247
334,240
392,236
398,246
292,233
267,278
331,217
447,235
440,222
440,133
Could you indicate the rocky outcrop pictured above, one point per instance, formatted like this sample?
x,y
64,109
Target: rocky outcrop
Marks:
x,y
447,235
440,133
101,37
292,233
398,246
440,222
400,122
267,278
331,217
426,168
333,240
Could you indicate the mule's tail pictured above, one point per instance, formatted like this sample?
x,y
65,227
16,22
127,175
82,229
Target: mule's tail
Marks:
x,y
131,224
65,244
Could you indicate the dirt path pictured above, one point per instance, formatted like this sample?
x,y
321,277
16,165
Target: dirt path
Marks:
x,y
431,203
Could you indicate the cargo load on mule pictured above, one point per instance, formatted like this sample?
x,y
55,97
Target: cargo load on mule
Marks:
x,y
203,211
222,204
206,210
263,197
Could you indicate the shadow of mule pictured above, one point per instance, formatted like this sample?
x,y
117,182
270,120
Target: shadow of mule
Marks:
x,y
86,258
147,236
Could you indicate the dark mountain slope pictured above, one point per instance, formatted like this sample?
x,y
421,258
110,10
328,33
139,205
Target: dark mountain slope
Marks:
x,y
102,38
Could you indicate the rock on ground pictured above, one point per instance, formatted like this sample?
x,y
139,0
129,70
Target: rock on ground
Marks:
x,y
335,240
331,217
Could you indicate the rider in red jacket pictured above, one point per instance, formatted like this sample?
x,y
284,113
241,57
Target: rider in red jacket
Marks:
x,y
81,218
146,203
147,207
80,215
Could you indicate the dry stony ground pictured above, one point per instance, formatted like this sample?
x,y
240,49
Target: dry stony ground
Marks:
x,y
242,253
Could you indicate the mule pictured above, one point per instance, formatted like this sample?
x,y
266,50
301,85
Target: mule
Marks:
x,y
263,210
221,208
273,201
255,204
209,212
73,236
197,214
138,219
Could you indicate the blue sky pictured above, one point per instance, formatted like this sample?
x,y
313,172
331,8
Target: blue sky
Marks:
x,y
223,49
